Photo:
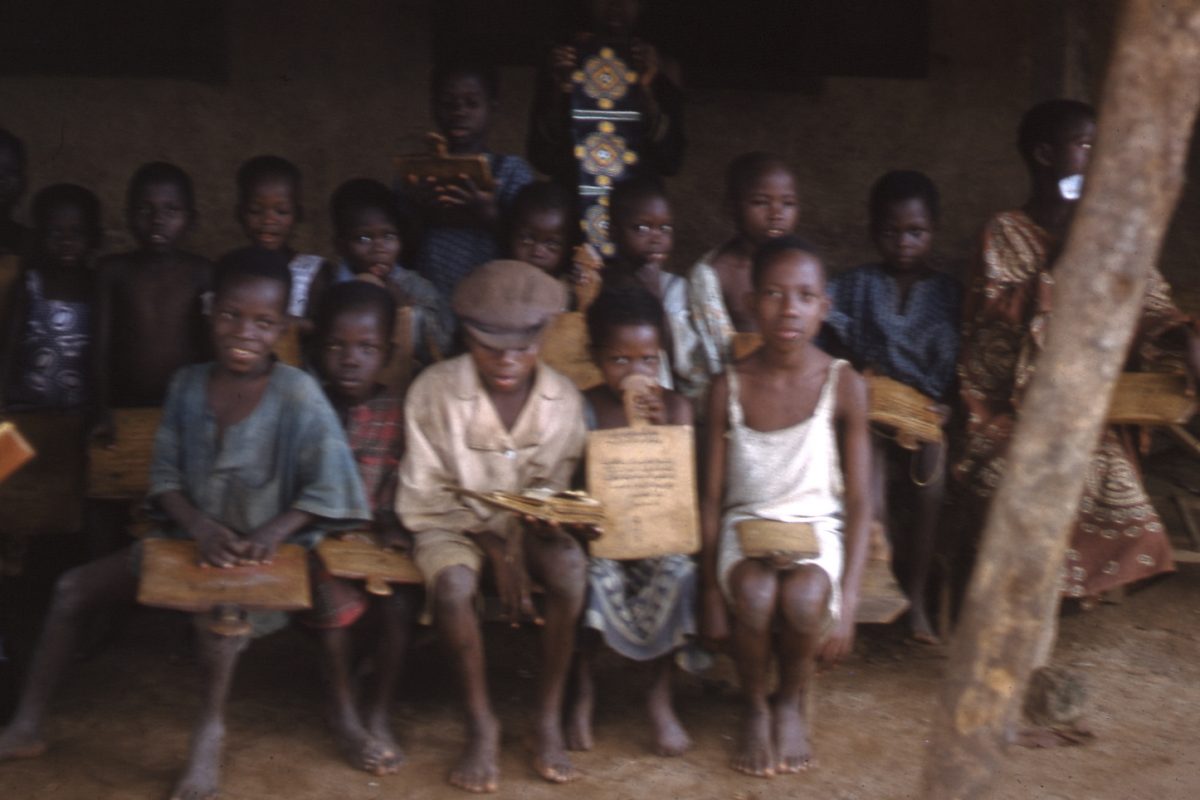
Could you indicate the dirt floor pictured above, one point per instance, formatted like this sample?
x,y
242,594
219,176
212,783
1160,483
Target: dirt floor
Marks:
x,y
121,724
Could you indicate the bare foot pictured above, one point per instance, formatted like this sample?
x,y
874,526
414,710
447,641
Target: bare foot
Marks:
x,y
550,759
379,728
579,727
756,756
921,628
202,778
364,751
791,739
477,770
670,739
18,741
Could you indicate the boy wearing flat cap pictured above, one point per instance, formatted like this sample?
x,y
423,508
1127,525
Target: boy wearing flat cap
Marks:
x,y
496,418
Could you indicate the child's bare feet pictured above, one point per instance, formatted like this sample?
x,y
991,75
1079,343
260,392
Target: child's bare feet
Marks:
x,y
378,727
550,759
670,739
756,756
921,627
477,771
791,739
202,778
579,726
20,741
363,750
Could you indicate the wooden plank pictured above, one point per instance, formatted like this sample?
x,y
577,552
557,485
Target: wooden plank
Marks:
x,y
441,166
172,577
566,348
1151,398
15,451
645,478
122,472
905,410
46,495
359,556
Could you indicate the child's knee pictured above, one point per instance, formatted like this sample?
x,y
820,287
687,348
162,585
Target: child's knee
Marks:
x,y
754,598
71,596
805,599
563,567
455,588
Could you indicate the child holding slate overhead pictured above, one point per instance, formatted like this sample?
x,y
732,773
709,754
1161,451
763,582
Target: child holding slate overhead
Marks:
x,y
787,443
644,609
249,456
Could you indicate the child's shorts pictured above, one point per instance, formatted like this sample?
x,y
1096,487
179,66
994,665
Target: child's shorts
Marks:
x,y
435,551
336,602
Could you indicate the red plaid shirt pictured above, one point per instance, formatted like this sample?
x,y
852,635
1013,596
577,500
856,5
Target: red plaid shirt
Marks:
x,y
375,431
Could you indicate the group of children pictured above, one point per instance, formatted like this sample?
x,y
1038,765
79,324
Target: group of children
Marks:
x,y
252,453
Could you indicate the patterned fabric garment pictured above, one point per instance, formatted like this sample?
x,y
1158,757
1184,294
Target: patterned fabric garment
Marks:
x,y
449,253
915,343
714,327
375,431
433,322
304,268
1118,537
53,353
646,608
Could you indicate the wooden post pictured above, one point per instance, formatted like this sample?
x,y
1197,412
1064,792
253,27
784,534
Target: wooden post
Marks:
x,y
1146,115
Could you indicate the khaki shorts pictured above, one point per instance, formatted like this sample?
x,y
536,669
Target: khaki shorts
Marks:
x,y
434,551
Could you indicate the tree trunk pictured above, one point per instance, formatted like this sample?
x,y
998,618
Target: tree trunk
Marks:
x,y
1146,117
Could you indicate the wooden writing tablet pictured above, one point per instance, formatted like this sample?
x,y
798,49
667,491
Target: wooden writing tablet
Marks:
x,y
46,495
904,409
359,556
563,508
1151,398
767,538
122,472
743,344
645,477
565,348
439,165
15,451
171,577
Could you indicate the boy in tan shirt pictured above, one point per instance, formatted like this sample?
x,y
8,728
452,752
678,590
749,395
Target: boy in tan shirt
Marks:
x,y
496,418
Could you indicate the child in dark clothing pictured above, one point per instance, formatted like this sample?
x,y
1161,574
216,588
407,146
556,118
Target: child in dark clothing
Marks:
x,y
542,227
13,235
900,319
354,332
461,221
45,355
148,302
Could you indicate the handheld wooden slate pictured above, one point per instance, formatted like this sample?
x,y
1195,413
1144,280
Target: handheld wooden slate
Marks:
x,y
46,495
15,452
606,123
438,165
359,556
565,342
1151,398
904,409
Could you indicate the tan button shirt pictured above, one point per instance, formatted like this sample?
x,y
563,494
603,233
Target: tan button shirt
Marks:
x,y
454,437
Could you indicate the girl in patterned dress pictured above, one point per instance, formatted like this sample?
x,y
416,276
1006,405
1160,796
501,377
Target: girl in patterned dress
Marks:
x,y
47,347
643,609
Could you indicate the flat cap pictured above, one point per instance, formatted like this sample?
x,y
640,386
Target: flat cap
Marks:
x,y
505,304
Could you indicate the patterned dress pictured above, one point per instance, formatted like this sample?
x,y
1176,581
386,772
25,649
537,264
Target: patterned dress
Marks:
x,y
646,608
1118,537
53,355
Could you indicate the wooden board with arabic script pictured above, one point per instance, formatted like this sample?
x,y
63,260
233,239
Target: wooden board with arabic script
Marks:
x,y
358,556
1151,398
645,477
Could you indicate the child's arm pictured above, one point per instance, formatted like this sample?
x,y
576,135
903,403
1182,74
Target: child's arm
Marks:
x,y
260,546
854,441
715,622
218,545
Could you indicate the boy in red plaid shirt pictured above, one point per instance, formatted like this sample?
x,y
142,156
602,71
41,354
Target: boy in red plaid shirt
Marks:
x,y
354,327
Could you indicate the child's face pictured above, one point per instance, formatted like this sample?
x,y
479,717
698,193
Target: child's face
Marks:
x,y
504,371
248,317
462,109
12,179
905,234
768,208
372,244
540,238
67,237
268,213
613,17
628,350
353,352
1073,150
646,233
159,216
790,301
